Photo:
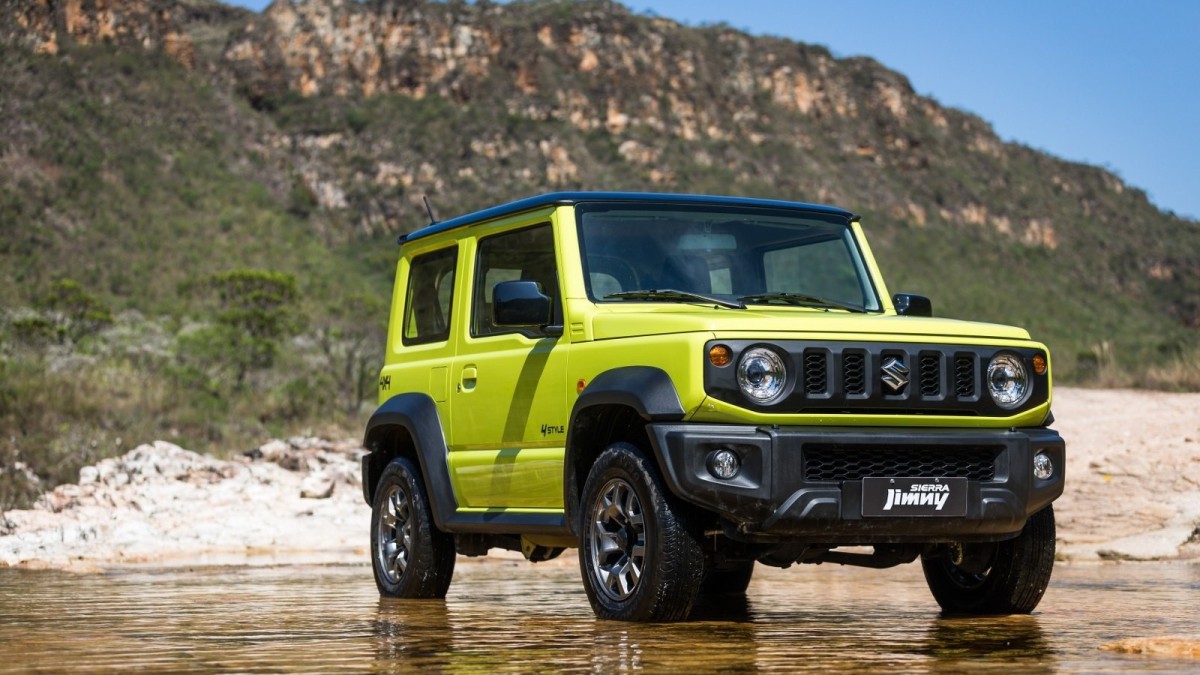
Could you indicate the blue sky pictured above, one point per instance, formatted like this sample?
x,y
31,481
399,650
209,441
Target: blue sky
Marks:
x,y
1114,83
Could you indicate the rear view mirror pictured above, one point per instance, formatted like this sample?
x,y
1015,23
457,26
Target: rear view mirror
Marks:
x,y
520,303
910,304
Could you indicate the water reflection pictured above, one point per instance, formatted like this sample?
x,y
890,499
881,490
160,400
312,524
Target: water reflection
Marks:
x,y
511,617
1014,639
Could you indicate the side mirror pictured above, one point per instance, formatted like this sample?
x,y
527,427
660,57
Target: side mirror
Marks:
x,y
520,304
909,304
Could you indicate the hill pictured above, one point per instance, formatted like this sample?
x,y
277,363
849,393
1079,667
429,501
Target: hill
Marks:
x,y
148,145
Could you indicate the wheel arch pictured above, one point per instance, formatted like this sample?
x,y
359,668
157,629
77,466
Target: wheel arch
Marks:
x,y
408,425
616,406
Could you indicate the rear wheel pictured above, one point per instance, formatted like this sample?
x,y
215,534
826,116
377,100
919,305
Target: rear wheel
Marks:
x,y
410,556
1007,577
639,557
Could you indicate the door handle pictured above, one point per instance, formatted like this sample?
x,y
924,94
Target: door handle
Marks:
x,y
469,376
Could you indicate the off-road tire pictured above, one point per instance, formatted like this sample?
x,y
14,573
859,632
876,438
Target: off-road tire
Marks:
x,y
726,580
1007,577
672,563
400,498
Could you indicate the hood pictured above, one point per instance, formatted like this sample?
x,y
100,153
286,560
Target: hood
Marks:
x,y
627,321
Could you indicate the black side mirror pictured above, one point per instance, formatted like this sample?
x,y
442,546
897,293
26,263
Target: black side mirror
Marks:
x,y
520,303
909,304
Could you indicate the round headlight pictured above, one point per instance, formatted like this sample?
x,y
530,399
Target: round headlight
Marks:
x,y
1008,381
761,375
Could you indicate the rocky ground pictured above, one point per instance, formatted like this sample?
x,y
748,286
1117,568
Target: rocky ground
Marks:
x,y
1133,494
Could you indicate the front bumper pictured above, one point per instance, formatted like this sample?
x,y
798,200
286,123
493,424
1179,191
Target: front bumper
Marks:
x,y
780,493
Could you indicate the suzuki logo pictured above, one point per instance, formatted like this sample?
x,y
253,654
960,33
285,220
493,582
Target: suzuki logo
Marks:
x,y
895,374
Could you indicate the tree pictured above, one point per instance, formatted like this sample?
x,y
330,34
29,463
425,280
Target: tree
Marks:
x,y
351,339
68,314
255,312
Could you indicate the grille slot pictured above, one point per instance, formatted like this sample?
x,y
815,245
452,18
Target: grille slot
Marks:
x,y
931,374
964,376
842,462
854,373
815,375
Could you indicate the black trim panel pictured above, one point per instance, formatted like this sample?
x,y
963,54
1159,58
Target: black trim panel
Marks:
x,y
771,500
417,414
646,389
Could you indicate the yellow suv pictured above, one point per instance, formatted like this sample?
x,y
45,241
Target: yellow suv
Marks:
x,y
681,386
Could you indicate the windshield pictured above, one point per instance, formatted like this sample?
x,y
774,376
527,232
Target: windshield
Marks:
x,y
736,256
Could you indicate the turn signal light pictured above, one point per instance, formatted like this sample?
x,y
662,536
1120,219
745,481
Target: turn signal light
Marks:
x,y
1039,364
720,356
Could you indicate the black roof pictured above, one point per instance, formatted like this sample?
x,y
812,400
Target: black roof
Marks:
x,y
558,198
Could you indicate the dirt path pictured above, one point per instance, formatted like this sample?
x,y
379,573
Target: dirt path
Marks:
x,y
1133,492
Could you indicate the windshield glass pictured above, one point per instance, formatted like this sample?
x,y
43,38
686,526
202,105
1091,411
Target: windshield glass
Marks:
x,y
741,256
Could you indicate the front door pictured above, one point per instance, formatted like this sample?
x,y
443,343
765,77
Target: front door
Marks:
x,y
508,386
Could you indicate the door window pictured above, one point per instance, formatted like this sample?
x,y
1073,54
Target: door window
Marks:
x,y
513,256
430,297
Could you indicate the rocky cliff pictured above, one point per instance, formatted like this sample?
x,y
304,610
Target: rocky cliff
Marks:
x,y
357,109
42,25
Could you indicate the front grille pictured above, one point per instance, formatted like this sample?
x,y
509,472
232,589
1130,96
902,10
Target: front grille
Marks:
x,y
840,462
875,378
931,374
854,373
964,376
815,376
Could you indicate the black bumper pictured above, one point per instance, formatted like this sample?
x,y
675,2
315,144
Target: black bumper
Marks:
x,y
788,488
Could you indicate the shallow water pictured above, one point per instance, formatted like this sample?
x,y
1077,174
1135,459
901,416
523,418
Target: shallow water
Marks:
x,y
510,616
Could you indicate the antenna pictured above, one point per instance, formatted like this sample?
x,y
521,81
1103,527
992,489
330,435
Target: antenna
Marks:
x,y
429,210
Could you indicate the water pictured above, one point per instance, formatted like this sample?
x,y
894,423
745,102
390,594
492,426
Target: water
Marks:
x,y
510,616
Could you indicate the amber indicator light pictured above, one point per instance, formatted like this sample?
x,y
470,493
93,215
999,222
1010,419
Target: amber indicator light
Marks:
x,y
719,355
1039,364
580,386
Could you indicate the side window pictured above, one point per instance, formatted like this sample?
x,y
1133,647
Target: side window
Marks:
x,y
430,297
513,256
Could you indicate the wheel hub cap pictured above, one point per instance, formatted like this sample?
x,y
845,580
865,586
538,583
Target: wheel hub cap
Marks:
x,y
618,534
395,534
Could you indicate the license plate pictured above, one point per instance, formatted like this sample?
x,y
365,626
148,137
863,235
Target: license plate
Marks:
x,y
900,497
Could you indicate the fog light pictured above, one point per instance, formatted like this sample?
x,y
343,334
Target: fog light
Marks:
x,y
724,464
1043,468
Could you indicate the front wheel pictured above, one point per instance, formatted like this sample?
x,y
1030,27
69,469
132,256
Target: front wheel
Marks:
x,y
410,556
1007,577
638,554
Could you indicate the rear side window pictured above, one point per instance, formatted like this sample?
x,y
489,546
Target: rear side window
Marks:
x,y
430,297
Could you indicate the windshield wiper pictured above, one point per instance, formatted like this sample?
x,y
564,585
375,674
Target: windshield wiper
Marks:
x,y
672,294
802,300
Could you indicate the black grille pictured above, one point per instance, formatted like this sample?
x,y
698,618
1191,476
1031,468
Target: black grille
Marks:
x,y
814,371
854,373
840,462
847,378
931,374
964,376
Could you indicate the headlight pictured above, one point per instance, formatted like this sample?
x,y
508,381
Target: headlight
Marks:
x,y
762,375
1008,381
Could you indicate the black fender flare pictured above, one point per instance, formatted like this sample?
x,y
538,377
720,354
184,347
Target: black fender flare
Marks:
x,y
647,390
418,415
